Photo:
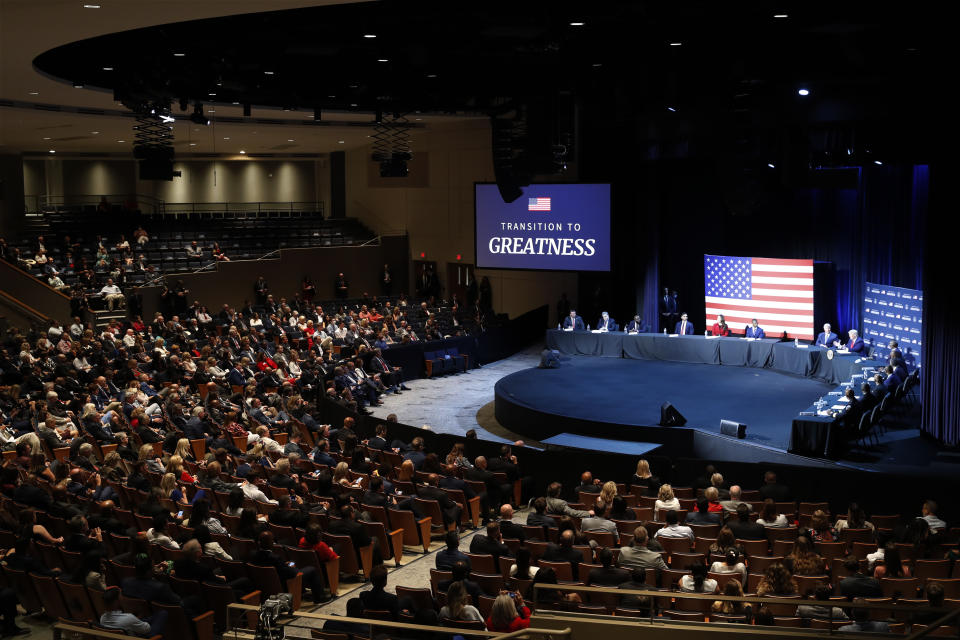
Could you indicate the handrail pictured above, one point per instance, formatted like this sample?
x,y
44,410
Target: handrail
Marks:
x,y
38,316
407,626
375,239
936,624
830,604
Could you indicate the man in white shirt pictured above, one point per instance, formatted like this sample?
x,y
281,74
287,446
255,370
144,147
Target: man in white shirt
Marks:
x,y
194,251
112,294
929,512
251,490
674,529
129,339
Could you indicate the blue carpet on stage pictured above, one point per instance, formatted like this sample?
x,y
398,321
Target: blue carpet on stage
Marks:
x,y
626,391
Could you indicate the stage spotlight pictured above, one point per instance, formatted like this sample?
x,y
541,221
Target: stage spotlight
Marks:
x,y
803,92
770,164
877,162
197,117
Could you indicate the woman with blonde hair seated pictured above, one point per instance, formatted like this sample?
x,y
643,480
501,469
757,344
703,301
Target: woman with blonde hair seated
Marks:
x,y
608,492
175,466
458,605
666,501
508,614
184,450
146,454
341,475
170,488
645,478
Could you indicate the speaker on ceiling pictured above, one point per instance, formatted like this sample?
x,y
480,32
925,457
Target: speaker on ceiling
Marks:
x,y
670,417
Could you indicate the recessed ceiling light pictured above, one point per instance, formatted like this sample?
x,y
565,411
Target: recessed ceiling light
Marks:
x,y
576,24
78,85
121,140
339,141
369,35
242,151
47,138
234,103
770,164
91,6
211,110
418,118
95,133
178,54
597,64
193,144
353,104
780,15
803,92
289,139
211,94
268,73
227,138
431,75
877,162
108,68
52,151
676,44
671,109
34,93
382,60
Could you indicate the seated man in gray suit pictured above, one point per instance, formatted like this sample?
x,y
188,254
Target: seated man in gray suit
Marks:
x,y
600,522
638,556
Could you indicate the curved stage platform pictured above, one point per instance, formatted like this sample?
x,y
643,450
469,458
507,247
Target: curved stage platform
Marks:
x,y
620,399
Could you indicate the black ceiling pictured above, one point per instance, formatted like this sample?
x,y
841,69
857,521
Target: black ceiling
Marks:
x,y
862,62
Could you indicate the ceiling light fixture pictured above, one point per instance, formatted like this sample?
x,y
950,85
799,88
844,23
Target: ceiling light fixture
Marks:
x,y
47,138
108,68
431,75
90,6
803,92
577,24
780,15
289,139
211,94
227,138
33,93
78,85
676,44
121,140
770,164
369,35
339,141
268,73
53,151
94,133
242,151
178,54
382,60
877,162
193,144
671,109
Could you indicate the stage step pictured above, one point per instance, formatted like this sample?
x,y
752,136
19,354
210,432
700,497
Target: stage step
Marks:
x,y
574,441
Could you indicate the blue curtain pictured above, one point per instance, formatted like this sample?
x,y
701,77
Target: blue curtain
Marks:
x,y
940,377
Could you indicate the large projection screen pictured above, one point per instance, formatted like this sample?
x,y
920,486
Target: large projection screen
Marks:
x,y
559,227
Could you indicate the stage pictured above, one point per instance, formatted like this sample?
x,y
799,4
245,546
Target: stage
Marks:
x,y
620,398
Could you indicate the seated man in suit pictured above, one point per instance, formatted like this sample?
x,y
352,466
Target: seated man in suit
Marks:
x,y
636,325
450,556
449,510
379,599
855,343
684,327
606,575
539,516
600,521
564,551
638,555
754,330
892,381
573,322
827,338
491,543
720,327
606,323
509,528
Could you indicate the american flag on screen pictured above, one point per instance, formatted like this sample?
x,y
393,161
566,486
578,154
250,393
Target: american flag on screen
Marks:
x,y
778,293
538,204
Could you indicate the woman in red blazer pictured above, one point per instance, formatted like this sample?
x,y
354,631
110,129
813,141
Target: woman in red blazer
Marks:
x,y
720,327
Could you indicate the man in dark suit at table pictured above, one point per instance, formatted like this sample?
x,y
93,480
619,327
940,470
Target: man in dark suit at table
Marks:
x,y
826,338
606,323
868,400
754,330
684,327
573,322
636,325
855,343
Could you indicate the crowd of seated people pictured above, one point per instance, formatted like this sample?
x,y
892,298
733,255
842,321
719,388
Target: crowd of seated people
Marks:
x,y
202,441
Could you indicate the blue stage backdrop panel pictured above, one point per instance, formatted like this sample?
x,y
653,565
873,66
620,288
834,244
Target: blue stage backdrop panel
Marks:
x,y
551,227
893,313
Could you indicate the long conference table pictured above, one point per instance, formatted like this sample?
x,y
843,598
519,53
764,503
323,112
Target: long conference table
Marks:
x,y
810,434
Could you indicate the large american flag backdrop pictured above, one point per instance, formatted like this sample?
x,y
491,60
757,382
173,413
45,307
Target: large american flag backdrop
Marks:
x,y
778,293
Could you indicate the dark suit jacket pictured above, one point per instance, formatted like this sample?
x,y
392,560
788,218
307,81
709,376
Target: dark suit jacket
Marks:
x,y
542,520
855,346
689,328
482,544
502,465
750,332
512,530
825,339
611,324
695,517
449,508
747,530
779,492
607,577
556,553
859,586
577,324
149,589
447,558
380,600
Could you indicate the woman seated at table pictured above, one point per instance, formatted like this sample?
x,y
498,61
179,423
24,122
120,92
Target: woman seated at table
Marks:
x,y
720,327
